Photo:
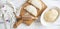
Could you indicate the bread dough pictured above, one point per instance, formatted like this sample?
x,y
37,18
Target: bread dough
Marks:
x,y
51,15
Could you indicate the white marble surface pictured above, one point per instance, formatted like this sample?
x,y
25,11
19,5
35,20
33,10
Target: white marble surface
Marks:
x,y
36,24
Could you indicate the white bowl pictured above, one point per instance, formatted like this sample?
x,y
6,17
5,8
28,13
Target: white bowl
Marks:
x,y
57,22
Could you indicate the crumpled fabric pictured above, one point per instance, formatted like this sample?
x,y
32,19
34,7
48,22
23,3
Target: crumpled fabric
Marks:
x,y
7,15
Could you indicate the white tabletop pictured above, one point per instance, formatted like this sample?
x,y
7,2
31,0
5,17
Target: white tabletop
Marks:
x,y
36,24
